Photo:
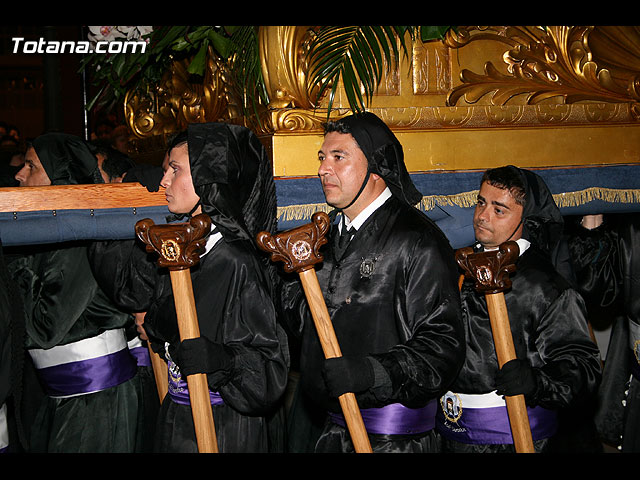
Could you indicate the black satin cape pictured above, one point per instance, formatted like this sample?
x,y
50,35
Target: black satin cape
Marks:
x,y
392,296
608,271
232,291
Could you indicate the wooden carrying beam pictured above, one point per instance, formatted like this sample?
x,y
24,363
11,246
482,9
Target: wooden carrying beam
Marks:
x,y
63,197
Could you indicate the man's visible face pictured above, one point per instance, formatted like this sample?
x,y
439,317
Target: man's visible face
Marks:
x,y
177,181
32,174
497,216
343,168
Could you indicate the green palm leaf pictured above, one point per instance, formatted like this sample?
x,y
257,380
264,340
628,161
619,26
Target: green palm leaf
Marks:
x,y
359,55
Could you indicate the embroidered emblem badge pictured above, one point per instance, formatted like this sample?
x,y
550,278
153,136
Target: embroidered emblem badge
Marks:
x,y
367,266
451,406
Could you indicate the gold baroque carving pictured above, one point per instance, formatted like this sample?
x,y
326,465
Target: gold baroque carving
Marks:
x,y
177,101
297,120
284,66
581,63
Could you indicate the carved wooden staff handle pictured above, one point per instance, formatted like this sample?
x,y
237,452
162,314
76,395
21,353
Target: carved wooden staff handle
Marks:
x,y
179,246
299,248
491,269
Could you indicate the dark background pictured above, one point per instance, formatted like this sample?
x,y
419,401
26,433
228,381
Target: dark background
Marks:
x,y
44,92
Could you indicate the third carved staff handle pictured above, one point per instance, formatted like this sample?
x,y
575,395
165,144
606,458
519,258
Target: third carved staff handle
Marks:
x,y
491,270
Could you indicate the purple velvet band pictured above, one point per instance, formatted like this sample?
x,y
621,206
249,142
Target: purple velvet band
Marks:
x,y
491,425
86,376
179,391
394,419
141,354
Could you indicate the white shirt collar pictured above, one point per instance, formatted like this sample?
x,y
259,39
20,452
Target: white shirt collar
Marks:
x,y
357,222
211,241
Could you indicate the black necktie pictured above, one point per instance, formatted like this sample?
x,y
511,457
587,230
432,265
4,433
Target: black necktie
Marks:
x,y
345,236
343,239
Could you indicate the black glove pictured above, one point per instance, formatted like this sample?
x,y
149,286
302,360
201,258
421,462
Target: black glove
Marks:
x,y
516,377
200,355
347,374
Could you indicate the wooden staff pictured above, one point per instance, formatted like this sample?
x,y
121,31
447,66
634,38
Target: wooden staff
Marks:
x,y
491,269
179,246
159,373
298,248
158,365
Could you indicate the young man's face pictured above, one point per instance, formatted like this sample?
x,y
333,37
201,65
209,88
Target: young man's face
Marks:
x,y
343,168
179,192
496,218
32,174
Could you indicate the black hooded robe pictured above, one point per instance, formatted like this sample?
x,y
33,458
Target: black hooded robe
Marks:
x,y
233,297
65,308
549,328
608,271
391,296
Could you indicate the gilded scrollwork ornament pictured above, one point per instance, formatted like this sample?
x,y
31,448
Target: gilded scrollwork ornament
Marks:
x,y
178,100
567,63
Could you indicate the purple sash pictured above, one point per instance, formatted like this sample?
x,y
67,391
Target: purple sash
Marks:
x,y
141,354
178,390
491,425
87,376
394,419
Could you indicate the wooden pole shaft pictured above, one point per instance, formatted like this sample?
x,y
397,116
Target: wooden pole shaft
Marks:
x,y
505,351
197,383
331,349
160,373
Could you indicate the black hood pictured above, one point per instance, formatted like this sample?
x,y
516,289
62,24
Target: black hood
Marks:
x,y
67,159
542,222
233,177
384,154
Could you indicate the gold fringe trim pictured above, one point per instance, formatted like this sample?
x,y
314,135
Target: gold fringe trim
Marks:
x,y
611,195
301,212
469,199
464,200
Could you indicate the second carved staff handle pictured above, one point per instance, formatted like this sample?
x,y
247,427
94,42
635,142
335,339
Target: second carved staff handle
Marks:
x,y
179,246
299,250
490,270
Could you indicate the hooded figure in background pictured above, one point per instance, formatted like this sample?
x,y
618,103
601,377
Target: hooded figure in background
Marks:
x,y
558,364
223,171
399,331
605,250
75,335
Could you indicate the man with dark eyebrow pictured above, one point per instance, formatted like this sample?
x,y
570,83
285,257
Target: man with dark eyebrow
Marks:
x,y
557,364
